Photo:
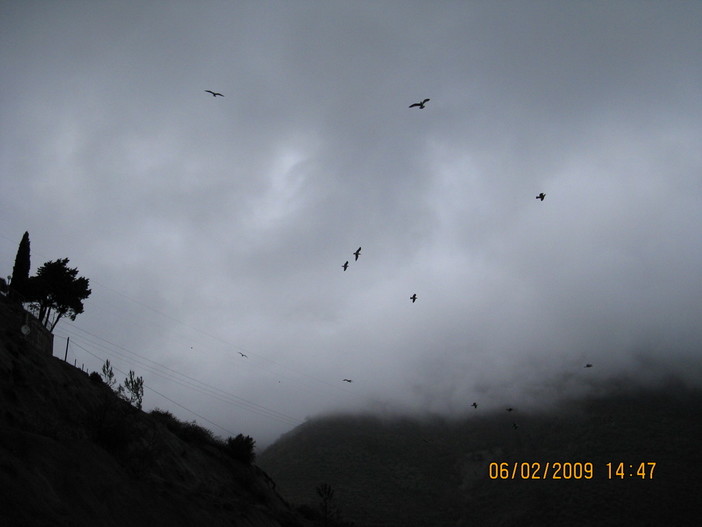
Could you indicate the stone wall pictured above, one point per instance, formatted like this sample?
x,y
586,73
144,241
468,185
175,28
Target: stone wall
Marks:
x,y
13,318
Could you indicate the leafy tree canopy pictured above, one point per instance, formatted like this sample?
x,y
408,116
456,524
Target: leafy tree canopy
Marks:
x,y
57,291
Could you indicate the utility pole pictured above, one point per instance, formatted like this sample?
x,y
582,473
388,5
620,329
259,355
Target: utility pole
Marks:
x,y
65,356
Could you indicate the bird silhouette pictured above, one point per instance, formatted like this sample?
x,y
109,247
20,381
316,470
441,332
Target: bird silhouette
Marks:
x,y
541,196
214,94
515,425
474,405
588,365
346,265
413,298
509,409
420,104
244,356
346,380
357,253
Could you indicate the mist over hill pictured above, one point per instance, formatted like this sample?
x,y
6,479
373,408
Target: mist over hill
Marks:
x,y
72,453
436,471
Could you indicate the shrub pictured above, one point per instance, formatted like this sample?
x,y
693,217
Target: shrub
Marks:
x,y
166,417
188,432
194,433
241,448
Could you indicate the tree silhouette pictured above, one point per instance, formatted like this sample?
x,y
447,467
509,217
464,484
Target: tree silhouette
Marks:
x,y
20,271
326,492
241,448
56,291
133,390
108,374
330,512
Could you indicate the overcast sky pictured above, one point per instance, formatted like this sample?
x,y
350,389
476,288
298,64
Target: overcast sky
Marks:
x,y
213,226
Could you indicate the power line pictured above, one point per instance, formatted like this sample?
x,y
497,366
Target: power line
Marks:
x,y
193,383
221,395
207,334
196,385
251,364
165,397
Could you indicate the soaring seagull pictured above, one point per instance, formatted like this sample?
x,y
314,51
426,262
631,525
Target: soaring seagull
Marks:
x,y
420,104
214,94
240,353
346,265
474,405
357,253
346,380
541,196
413,298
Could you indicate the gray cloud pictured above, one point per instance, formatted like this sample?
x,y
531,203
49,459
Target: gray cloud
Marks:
x,y
221,224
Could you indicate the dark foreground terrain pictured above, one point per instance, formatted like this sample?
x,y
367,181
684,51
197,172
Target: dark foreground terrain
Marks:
x,y
401,472
73,454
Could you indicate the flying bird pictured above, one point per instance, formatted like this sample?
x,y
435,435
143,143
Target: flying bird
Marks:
x,y
240,353
515,425
541,196
474,405
214,93
346,265
357,253
588,365
509,409
413,298
420,104
346,380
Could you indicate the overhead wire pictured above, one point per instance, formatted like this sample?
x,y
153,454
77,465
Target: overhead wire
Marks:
x,y
219,339
162,395
300,388
188,381
212,336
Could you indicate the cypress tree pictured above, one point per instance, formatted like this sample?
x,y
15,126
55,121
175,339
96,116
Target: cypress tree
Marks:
x,y
20,271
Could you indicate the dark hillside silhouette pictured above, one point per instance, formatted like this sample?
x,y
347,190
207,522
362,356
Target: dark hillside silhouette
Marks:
x,y
435,472
72,452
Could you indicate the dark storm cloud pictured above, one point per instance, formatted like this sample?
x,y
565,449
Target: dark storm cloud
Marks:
x,y
210,226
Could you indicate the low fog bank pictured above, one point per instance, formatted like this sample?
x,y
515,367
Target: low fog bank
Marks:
x,y
569,395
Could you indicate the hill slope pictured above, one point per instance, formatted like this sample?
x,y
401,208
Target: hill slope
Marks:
x,y
73,454
403,472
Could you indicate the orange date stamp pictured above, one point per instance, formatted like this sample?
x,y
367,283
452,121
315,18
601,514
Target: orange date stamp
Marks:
x,y
570,470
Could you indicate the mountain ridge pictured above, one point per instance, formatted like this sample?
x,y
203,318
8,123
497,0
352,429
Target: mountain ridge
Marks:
x,y
400,471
